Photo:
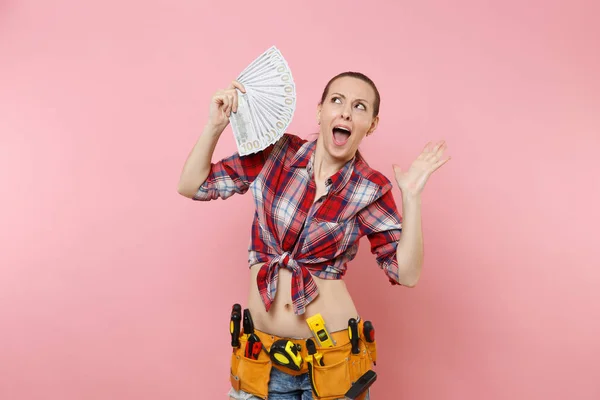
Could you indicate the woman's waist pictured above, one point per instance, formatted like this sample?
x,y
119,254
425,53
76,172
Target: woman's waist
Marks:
x,y
280,320
333,302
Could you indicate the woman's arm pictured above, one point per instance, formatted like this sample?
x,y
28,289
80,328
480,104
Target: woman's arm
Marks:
x,y
197,166
409,252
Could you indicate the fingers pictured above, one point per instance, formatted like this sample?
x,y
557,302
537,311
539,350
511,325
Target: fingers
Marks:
x,y
433,152
219,99
232,96
439,163
424,152
234,102
229,107
237,85
439,148
226,101
232,89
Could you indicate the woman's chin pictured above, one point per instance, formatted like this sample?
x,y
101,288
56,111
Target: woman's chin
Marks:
x,y
336,152
341,153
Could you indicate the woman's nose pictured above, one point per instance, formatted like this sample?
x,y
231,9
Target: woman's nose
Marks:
x,y
346,114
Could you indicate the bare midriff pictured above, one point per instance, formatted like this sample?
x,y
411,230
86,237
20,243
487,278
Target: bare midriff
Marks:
x,y
333,302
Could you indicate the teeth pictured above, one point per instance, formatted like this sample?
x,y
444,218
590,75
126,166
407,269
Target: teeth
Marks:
x,y
342,129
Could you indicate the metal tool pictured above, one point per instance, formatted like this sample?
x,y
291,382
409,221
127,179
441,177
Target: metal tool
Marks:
x,y
320,332
234,325
312,350
361,385
253,343
353,334
248,324
253,347
369,332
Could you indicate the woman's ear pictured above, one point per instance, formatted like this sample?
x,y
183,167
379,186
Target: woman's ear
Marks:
x,y
373,126
319,114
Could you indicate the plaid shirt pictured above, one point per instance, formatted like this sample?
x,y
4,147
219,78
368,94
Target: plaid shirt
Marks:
x,y
293,230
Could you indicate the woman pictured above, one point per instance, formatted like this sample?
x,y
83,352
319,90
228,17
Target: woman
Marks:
x,y
314,201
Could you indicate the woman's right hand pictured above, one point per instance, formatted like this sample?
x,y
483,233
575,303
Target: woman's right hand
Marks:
x,y
222,104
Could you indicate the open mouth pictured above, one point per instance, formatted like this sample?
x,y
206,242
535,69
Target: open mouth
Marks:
x,y
341,134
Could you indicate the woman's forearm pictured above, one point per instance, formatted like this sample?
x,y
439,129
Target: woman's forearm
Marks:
x,y
410,246
197,166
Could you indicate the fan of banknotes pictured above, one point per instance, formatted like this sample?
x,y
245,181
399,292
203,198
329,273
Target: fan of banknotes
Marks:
x,y
266,109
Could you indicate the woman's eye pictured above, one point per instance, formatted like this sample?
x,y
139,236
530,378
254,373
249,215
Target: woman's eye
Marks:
x,y
336,100
361,106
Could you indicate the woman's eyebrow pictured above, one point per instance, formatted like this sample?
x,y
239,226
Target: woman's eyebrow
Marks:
x,y
342,96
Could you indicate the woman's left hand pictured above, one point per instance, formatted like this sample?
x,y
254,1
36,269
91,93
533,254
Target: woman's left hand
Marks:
x,y
413,181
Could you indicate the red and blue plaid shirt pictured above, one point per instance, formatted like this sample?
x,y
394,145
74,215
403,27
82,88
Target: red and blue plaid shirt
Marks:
x,y
292,229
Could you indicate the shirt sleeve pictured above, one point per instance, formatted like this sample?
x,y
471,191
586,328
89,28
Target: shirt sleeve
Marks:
x,y
382,224
232,175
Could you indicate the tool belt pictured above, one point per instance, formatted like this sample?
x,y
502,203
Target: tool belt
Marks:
x,y
332,370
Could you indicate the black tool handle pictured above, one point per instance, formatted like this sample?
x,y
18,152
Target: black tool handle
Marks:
x,y
369,331
353,333
312,379
361,385
248,323
234,325
312,350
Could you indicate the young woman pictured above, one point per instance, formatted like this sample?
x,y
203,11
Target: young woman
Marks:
x,y
314,201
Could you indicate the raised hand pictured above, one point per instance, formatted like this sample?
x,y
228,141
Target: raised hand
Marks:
x,y
413,181
222,104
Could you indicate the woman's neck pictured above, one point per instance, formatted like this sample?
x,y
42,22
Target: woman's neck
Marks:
x,y
324,165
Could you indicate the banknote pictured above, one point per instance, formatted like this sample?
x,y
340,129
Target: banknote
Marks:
x,y
267,108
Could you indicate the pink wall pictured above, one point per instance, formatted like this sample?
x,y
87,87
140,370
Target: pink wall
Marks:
x,y
112,286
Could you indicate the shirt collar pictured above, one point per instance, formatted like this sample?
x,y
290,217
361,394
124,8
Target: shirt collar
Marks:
x,y
304,158
303,155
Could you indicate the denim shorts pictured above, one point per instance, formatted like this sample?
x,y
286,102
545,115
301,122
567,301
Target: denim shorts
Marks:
x,y
283,386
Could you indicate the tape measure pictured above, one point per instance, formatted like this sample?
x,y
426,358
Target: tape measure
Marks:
x,y
284,352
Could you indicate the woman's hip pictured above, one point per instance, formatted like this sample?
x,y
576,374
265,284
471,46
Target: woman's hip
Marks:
x,y
329,361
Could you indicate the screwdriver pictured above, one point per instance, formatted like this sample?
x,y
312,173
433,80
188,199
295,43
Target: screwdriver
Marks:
x,y
312,350
369,332
353,333
248,323
253,345
234,325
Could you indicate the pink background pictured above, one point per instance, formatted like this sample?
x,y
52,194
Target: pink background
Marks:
x,y
112,286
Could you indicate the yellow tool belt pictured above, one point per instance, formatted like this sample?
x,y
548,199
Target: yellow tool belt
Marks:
x,y
330,381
